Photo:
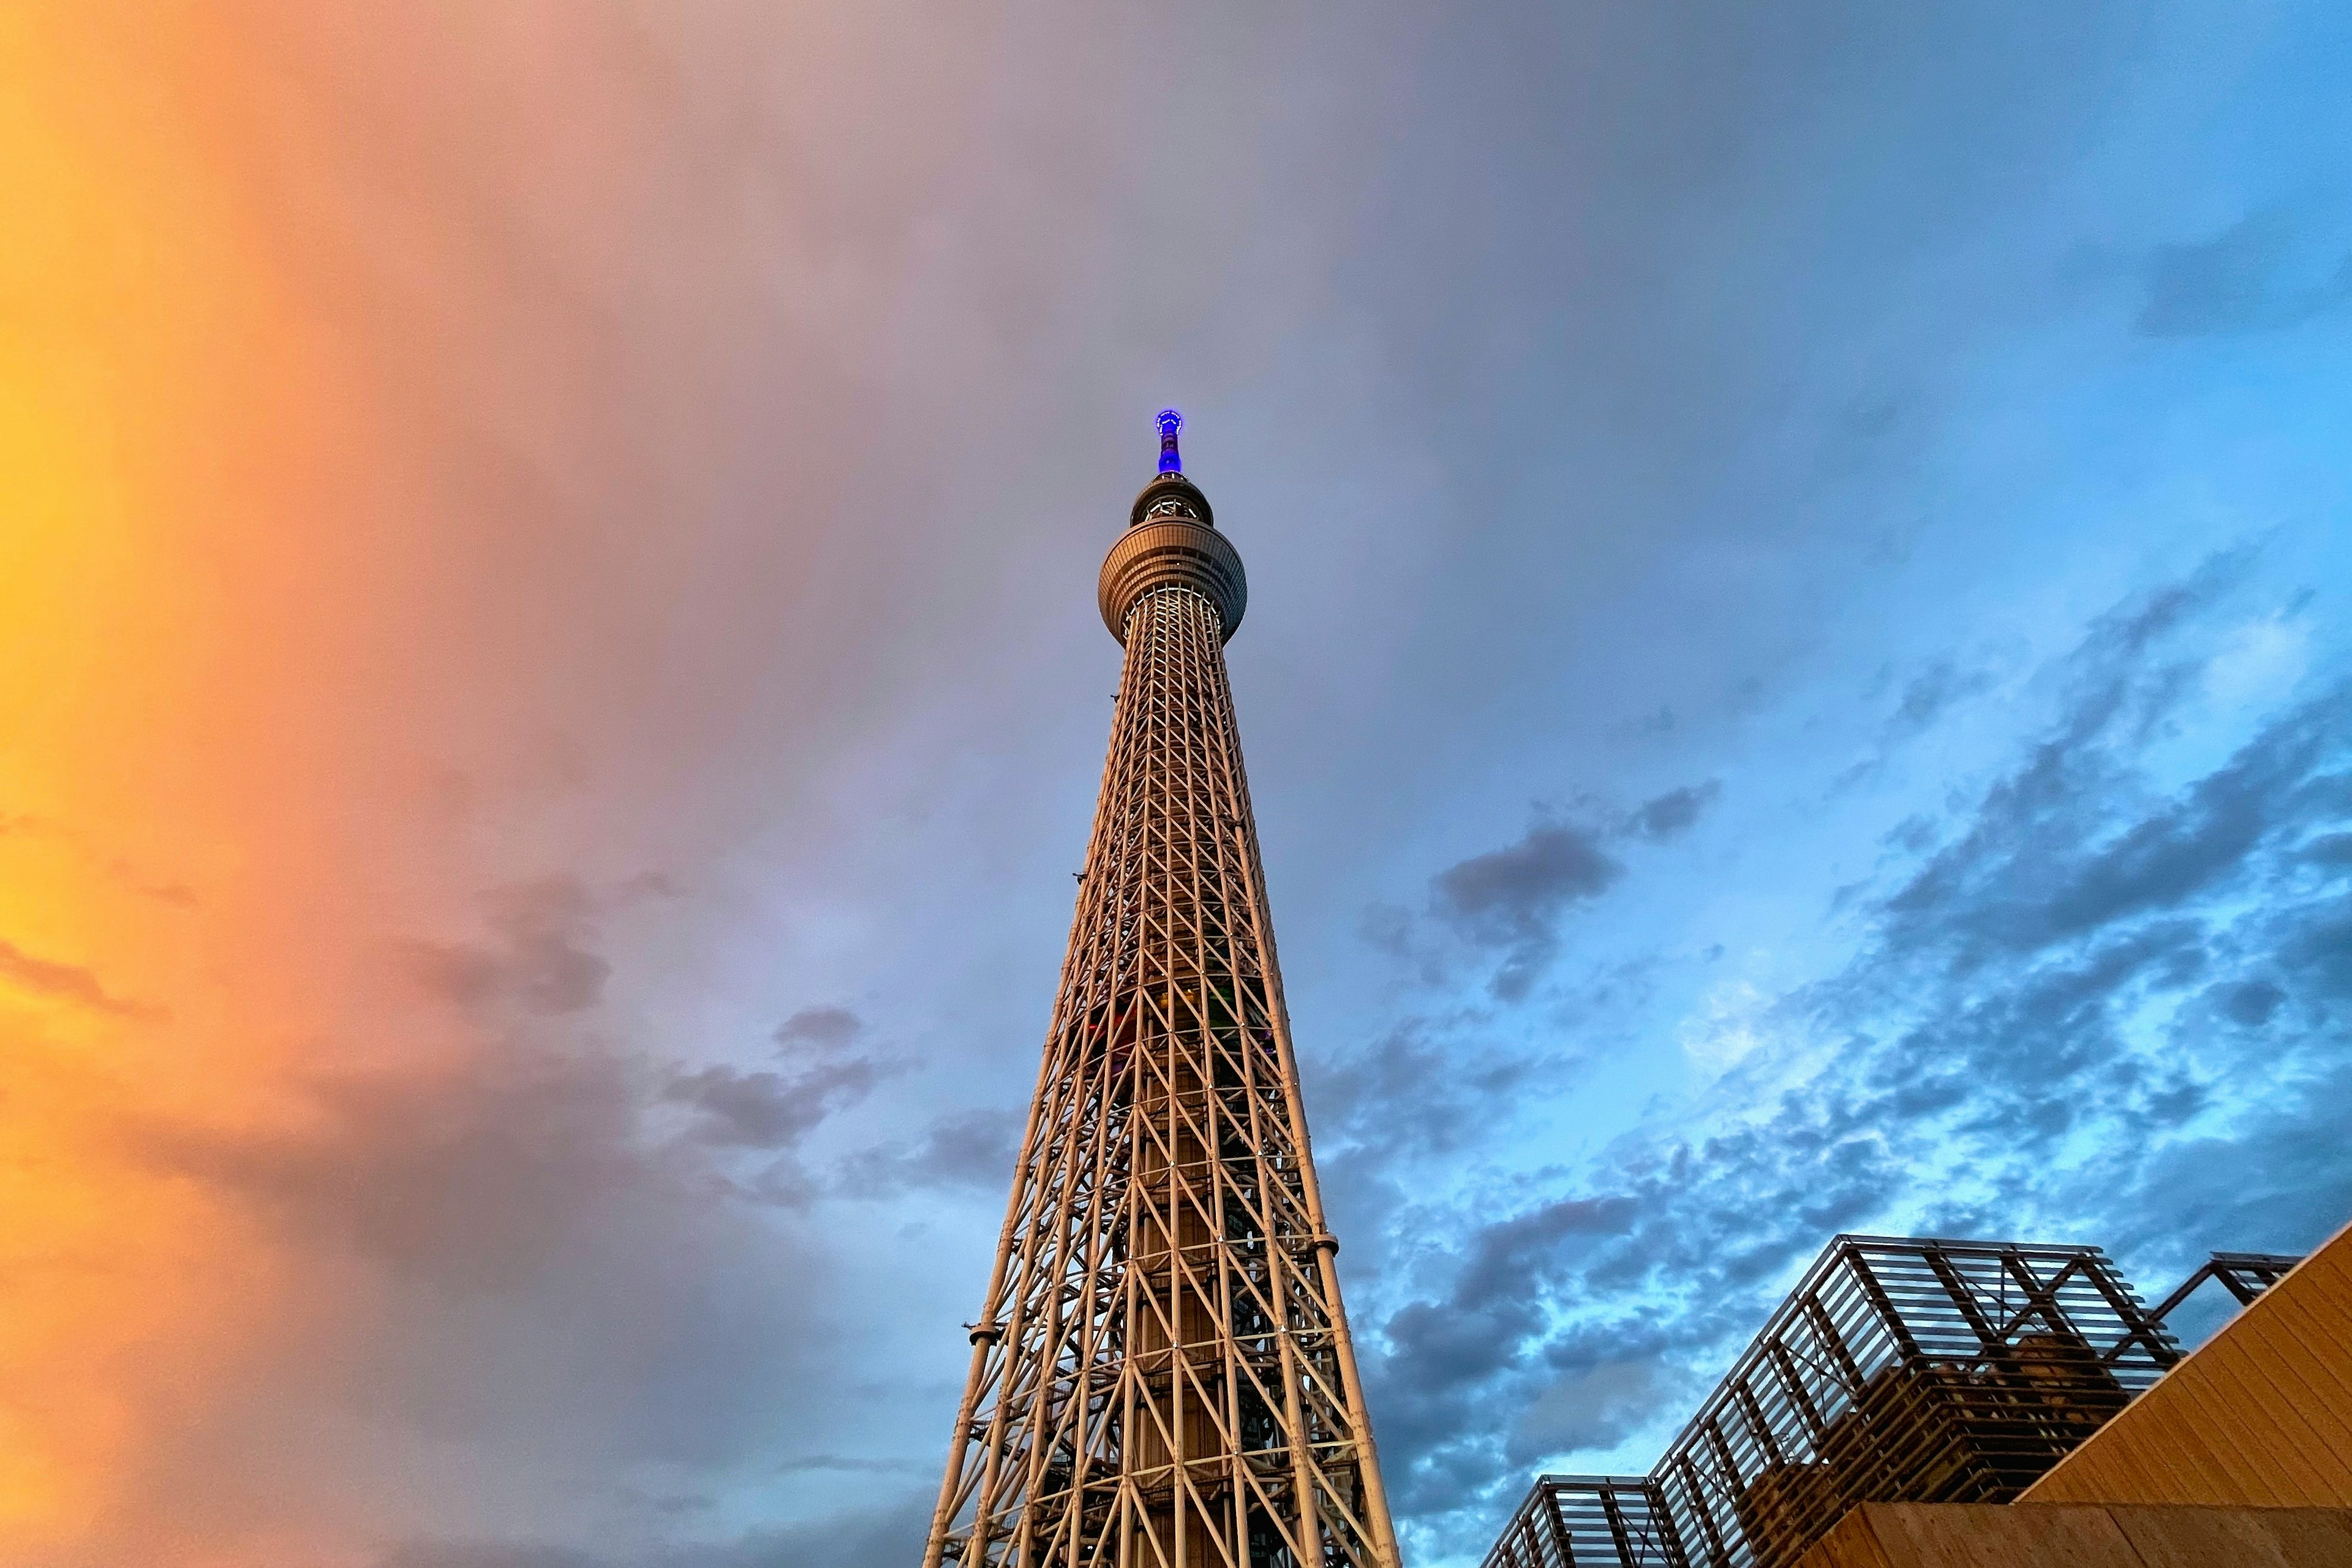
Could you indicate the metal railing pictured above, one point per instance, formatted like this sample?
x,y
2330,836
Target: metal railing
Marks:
x,y
1899,1370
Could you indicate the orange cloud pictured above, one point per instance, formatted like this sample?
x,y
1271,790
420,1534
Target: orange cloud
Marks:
x,y
190,762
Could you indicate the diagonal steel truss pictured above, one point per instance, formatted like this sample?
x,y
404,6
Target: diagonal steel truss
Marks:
x,y
1162,1376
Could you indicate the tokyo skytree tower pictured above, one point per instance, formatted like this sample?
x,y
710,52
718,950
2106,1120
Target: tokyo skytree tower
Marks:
x,y
1162,1374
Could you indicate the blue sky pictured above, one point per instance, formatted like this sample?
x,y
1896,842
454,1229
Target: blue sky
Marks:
x,y
1796,682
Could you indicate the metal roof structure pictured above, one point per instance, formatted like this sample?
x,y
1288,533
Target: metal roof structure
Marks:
x,y
1899,1370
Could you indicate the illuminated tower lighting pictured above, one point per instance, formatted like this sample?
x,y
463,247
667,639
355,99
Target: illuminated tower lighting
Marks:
x,y
1162,1374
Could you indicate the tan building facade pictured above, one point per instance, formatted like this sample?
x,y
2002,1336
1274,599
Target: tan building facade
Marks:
x,y
2262,1415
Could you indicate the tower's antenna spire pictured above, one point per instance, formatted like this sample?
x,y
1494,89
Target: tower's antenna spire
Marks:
x,y
1170,423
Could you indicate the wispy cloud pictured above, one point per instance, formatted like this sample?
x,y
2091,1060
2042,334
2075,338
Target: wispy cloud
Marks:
x,y
2248,278
70,983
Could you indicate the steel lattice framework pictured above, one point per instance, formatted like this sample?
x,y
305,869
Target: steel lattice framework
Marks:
x,y
1161,1375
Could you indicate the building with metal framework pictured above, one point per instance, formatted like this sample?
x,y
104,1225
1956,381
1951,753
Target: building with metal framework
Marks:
x,y
1898,1371
1162,1374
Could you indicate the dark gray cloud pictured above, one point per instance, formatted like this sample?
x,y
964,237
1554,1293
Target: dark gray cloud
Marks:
x,y
539,962
830,1029
1587,1409
968,1149
472,1180
2242,279
2329,849
1509,902
1675,812
545,1273
1421,1087
768,1110
1519,888
1931,693
773,1109
1511,898
2251,1002
553,1271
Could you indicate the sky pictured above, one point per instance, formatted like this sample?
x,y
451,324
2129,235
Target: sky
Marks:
x,y
1797,681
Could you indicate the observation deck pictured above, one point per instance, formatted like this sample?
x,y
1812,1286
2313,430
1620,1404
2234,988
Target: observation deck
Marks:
x,y
1172,541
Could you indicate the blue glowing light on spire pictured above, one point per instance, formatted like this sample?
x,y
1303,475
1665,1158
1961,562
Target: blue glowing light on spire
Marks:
x,y
1170,423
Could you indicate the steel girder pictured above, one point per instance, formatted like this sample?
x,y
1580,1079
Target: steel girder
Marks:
x,y
1161,1375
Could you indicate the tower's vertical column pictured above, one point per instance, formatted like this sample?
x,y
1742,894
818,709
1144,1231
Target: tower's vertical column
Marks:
x,y
1161,1375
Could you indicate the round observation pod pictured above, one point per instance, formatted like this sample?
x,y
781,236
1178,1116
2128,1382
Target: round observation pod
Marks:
x,y
1171,542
